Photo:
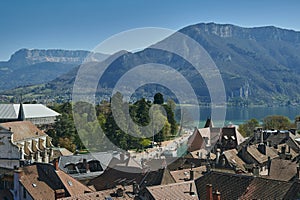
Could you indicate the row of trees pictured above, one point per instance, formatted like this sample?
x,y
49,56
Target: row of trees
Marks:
x,y
126,126
276,122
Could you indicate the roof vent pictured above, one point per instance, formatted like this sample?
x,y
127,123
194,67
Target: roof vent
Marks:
x,y
70,183
34,185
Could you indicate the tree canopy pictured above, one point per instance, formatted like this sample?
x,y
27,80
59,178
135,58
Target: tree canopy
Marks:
x,y
277,122
248,127
123,133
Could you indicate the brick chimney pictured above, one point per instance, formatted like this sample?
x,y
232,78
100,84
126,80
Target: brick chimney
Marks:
x,y
55,164
60,193
217,195
209,193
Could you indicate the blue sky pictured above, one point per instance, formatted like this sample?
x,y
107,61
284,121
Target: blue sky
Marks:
x,y
82,24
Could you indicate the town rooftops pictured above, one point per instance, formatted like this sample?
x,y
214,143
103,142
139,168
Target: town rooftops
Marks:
x,y
74,164
120,192
236,186
185,174
42,180
283,170
233,159
184,190
260,157
120,175
233,133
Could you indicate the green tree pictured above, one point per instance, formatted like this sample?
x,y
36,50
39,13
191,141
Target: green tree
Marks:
x,y
277,122
171,119
248,127
140,112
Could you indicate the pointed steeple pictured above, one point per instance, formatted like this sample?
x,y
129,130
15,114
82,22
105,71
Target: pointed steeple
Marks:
x,y
21,115
208,123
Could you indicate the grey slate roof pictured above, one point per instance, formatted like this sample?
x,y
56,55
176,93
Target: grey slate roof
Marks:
x,y
11,111
7,111
103,157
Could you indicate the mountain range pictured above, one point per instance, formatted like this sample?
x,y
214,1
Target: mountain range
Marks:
x,y
258,65
30,67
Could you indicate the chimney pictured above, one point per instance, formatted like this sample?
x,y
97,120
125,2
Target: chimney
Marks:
x,y
55,164
287,135
191,189
218,156
261,136
19,172
256,171
191,175
209,194
135,188
217,195
122,157
262,148
269,165
244,150
60,193
270,143
223,162
283,148
255,135
86,165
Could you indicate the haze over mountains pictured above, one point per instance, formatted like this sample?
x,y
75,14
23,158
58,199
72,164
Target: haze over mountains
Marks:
x,y
29,67
258,65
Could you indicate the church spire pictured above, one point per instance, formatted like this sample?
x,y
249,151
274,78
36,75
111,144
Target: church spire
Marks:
x,y
21,115
208,123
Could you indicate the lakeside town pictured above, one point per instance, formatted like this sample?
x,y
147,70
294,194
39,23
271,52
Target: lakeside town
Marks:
x,y
213,163
149,100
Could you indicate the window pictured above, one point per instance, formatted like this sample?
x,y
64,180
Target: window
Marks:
x,y
95,166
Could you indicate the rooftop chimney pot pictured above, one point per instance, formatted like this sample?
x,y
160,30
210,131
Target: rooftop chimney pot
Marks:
x,y
209,194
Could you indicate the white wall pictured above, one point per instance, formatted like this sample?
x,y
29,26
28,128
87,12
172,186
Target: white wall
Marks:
x,y
9,153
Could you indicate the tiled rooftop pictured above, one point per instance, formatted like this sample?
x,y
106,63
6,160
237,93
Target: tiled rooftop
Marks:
x,y
23,130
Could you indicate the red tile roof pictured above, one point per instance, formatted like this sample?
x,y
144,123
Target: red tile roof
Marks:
x,y
174,191
23,130
127,195
235,186
41,181
72,185
184,174
283,170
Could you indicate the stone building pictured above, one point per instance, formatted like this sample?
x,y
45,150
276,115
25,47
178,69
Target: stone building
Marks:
x,y
21,142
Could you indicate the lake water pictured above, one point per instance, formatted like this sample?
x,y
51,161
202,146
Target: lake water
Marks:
x,y
237,116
